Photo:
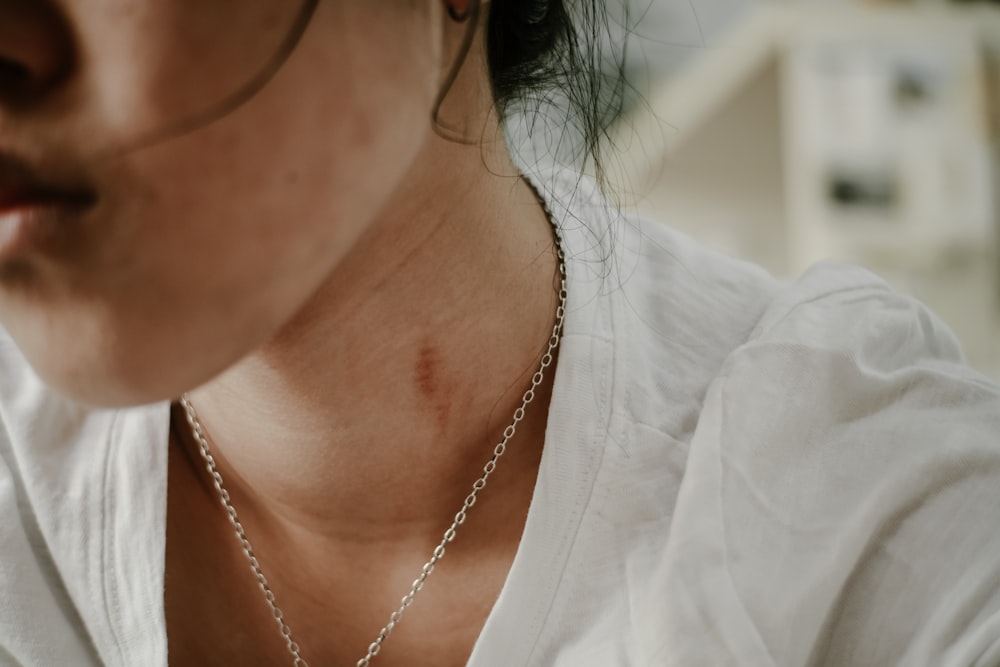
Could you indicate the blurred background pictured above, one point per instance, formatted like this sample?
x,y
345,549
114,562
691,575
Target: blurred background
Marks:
x,y
786,132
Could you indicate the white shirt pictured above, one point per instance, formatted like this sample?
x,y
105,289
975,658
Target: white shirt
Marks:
x,y
736,472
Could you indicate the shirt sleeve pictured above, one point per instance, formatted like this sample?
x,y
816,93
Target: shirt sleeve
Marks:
x,y
841,503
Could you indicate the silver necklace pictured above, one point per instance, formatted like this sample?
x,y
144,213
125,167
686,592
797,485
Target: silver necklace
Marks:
x,y
201,437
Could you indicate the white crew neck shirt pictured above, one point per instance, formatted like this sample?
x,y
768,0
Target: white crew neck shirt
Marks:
x,y
736,472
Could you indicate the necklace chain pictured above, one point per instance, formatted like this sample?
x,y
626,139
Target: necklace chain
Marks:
x,y
201,437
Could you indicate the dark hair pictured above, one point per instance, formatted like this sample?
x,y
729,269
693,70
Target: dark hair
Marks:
x,y
556,54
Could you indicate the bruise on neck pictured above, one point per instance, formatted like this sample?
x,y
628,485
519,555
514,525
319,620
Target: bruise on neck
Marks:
x,y
432,388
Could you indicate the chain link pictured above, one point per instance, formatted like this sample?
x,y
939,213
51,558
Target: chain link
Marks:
x,y
201,437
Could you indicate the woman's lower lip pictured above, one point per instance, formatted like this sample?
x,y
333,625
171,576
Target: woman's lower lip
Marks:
x,y
36,228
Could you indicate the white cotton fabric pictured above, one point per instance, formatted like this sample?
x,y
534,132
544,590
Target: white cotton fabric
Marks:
x,y
736,472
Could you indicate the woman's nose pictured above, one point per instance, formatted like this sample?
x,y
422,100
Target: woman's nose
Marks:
x,y
36,50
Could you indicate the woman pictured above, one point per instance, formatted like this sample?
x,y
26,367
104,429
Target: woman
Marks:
x,y
275,294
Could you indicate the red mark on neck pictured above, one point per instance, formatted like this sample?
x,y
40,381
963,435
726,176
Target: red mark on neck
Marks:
x,y
427,369
428,380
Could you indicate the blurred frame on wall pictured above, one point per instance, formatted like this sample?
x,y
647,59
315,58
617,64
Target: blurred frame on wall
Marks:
x,y
860,133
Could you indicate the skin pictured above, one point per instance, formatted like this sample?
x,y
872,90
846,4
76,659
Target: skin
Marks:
x,y
354,303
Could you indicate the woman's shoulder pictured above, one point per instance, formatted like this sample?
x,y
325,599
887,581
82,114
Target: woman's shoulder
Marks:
x,y
706,318
839,352
844,480
829,464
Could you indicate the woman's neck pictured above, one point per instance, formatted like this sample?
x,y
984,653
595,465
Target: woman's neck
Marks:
x,y
371,413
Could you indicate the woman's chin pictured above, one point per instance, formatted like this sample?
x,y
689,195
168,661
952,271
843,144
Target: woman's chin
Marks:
x,y
101,389
103,381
